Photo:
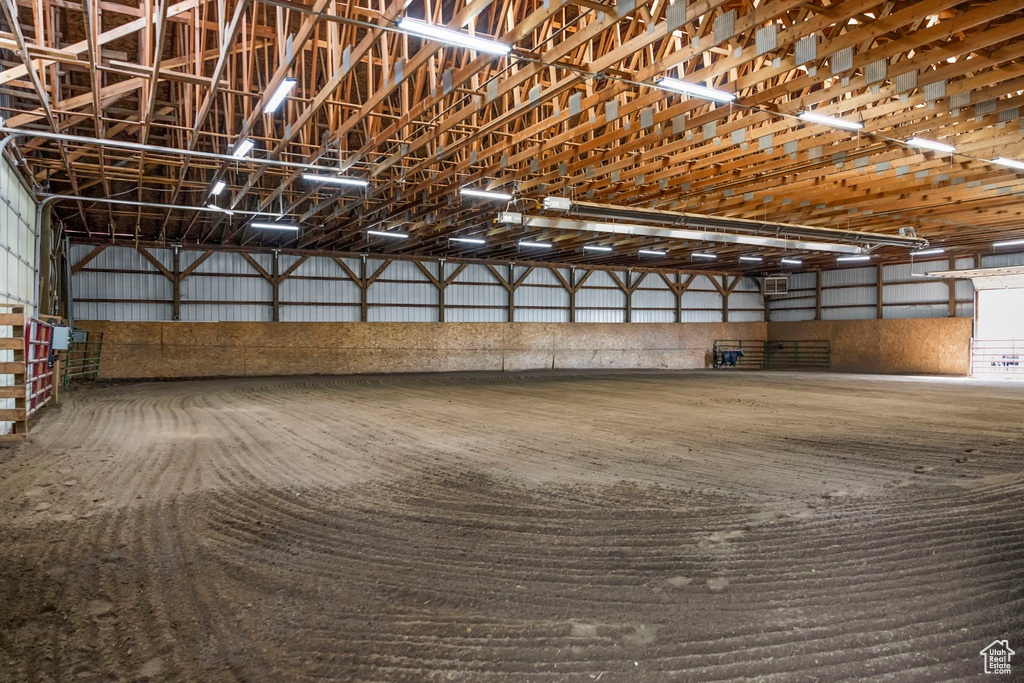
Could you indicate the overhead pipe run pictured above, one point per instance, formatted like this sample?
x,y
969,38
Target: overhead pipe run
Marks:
x,y
693,220
509,217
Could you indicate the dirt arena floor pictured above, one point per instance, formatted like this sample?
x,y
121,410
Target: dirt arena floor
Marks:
x,y
690,526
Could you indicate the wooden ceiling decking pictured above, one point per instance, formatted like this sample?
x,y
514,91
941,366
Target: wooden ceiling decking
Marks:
x,y
570,112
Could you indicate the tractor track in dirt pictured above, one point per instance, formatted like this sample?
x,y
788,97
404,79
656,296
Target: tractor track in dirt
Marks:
x,y
536,527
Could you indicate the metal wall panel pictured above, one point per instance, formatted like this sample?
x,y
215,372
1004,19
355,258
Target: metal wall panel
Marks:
x,y
599,315
318,291
784,316
708,316
746,316
748,300
865,313
320,314
122,311
419,293
475,315
550,315
853,296
1001,260
654,298
848,276
654,316
227,312
208,288
926,290
401,314
933,311
802,280
901,272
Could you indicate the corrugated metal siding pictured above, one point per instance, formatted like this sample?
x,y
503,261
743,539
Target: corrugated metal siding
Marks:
x,y
320,314
926,291
842,314
600,300
17,258
1000,260
123,311
854,296
934,311
227,312
784,316
848,276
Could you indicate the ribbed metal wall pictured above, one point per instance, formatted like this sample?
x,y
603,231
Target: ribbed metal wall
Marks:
x,y
17,258
225,286
851,293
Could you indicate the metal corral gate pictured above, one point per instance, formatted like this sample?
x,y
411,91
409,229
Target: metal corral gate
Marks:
x,y
1003,357
775,355
83,356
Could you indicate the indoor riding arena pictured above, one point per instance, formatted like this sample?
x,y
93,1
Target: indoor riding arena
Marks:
x,y
511,340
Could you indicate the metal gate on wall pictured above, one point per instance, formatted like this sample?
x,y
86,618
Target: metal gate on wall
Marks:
x,y
997,357
777,355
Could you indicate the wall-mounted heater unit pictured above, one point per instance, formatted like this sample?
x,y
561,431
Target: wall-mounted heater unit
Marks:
x,y
776,284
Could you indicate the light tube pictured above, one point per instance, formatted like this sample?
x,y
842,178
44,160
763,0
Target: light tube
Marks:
x,y
485,194
830,121
217,208
595,247
527,243
692,89
651,252
278,97
1011,243
274,226
446,35
791,261
334,179
467,240
243,148
753,259
1012,163
697,254
218,187
921,143
928,252
853,258
382,233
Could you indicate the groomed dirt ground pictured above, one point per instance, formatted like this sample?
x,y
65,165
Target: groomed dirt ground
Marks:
x,y
559,527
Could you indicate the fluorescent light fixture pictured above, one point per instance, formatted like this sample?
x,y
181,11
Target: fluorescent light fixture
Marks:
x,y
217,208
243,148
274,226
278,97
928,252
334,179
1011,243
1012,163
528,243
692,89
791,261
853,258
595,247
921,143
697,254
218,187
830,121
383,233
446,35
485,194
467,240
752,259
651,252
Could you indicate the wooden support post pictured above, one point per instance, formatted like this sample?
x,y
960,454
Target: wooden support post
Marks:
x,y
572,293
817,294
628,287
951,284
362,289
176,286
879,293
275,284
441,283
511,293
